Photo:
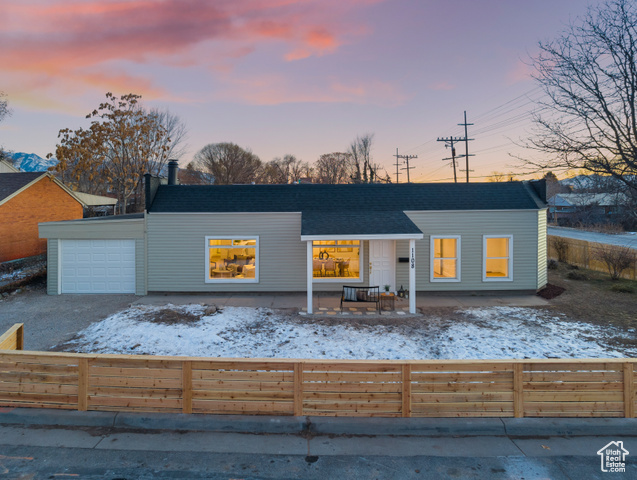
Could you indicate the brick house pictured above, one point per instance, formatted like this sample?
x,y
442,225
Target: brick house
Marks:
x,y
27,199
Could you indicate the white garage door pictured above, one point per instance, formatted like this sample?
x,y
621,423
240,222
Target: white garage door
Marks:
x,y
97,266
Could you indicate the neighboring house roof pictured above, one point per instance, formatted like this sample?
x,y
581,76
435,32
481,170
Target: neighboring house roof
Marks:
x,y
91,200
13,183
586,199
7,167
351,198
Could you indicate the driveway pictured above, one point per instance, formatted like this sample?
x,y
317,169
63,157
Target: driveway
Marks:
x,y
51,319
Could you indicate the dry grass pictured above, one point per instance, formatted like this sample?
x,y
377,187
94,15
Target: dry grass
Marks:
x,y
595,298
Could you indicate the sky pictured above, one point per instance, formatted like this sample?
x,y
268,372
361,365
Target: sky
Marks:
x,y
300,77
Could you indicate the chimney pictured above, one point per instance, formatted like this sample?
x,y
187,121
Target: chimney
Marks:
x,y
173,168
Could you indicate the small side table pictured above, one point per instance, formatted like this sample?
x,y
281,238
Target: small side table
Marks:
x,y
387,300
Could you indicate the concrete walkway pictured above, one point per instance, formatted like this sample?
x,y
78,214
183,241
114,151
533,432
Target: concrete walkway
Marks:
x,y
330,301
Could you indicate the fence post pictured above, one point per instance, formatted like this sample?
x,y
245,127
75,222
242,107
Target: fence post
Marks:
x,y
518,390
186,386
298,389
20,337
82,385
406,378
629,390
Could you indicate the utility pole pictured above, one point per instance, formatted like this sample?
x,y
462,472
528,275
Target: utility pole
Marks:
x,y
406,158
466,143
449,141
397,165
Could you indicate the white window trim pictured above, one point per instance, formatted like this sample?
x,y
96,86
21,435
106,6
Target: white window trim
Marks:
x,y
231,281
431,259
509,278
342,279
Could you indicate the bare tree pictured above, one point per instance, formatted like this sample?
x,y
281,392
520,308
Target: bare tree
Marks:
x,y
176,132
288,169
363,171
334,168
228,163
588,118
5,111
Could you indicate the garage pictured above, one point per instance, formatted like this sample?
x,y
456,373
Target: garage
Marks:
x,y
97,266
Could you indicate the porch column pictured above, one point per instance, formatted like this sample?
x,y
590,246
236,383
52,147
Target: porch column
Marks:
x,y
412,276
310,278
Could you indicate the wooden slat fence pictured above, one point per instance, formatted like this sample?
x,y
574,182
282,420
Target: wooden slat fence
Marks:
x,y
582,254
13,339
390,388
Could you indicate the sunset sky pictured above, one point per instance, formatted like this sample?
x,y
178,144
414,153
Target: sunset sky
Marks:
x,y
303,77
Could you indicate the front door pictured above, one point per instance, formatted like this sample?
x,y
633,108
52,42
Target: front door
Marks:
x,y
382,264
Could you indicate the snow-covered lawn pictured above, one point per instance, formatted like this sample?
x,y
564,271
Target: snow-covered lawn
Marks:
x,y
472,333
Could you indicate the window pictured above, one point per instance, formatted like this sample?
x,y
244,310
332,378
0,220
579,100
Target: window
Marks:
x,y
445,259
336,260
232,259
497,251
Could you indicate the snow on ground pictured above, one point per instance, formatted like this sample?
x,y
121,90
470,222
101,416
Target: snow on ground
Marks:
x,y
481,333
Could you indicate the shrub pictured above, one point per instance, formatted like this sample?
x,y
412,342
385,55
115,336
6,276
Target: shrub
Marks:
x,y
552,264
621,288
573,275
617,259
560,244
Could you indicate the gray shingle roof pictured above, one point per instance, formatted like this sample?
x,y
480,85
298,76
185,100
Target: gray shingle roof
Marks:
x,y
12,182
366,222
345,198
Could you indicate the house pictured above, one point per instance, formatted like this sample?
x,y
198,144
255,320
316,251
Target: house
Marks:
x,y
27,199
285,238
593,207
7,167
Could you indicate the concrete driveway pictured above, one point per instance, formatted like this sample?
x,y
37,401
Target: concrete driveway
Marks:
x,y
51,319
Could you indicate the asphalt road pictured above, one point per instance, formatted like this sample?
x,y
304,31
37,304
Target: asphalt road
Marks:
x,y
624,239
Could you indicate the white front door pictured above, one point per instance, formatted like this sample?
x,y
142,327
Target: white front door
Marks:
x,y
382,264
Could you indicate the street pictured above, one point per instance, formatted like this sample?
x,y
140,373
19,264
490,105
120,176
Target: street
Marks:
x,y
91,445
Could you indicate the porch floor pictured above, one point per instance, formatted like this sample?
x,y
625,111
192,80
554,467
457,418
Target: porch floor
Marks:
x,y
328,303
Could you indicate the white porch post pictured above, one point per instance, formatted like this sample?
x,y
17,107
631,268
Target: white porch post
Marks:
x,y
310,278
412,276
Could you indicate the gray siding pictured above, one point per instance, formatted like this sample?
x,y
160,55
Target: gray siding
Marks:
x,y
140,266
52,266
542,273
471,226
177,251
94,229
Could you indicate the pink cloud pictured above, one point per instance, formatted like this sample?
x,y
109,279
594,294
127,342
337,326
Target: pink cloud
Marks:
x,y
275,90
519,73
444,85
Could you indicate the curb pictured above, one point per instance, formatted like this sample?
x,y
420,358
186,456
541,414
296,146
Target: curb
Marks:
x,y
280,425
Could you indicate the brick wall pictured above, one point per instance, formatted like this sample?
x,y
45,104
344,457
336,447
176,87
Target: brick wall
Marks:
x,y
45,201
